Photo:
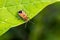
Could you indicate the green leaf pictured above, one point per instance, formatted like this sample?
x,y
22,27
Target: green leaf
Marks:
x,y
9,11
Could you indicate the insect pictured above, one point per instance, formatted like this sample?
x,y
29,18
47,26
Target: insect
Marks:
x,y
23,15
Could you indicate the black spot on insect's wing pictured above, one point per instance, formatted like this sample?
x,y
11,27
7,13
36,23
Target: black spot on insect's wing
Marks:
x,y
20,11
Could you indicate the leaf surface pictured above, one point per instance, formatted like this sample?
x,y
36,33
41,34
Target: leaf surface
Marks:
x,y
9,11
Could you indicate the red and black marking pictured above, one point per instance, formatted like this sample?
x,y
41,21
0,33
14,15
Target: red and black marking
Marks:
x,y
23,15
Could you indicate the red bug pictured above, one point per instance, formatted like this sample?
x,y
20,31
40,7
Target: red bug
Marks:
x,y
23,15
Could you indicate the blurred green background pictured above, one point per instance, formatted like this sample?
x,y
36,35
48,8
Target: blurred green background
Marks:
x,y
44,26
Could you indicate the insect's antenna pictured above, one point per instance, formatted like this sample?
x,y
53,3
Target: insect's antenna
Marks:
x,y
26,24
32,22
